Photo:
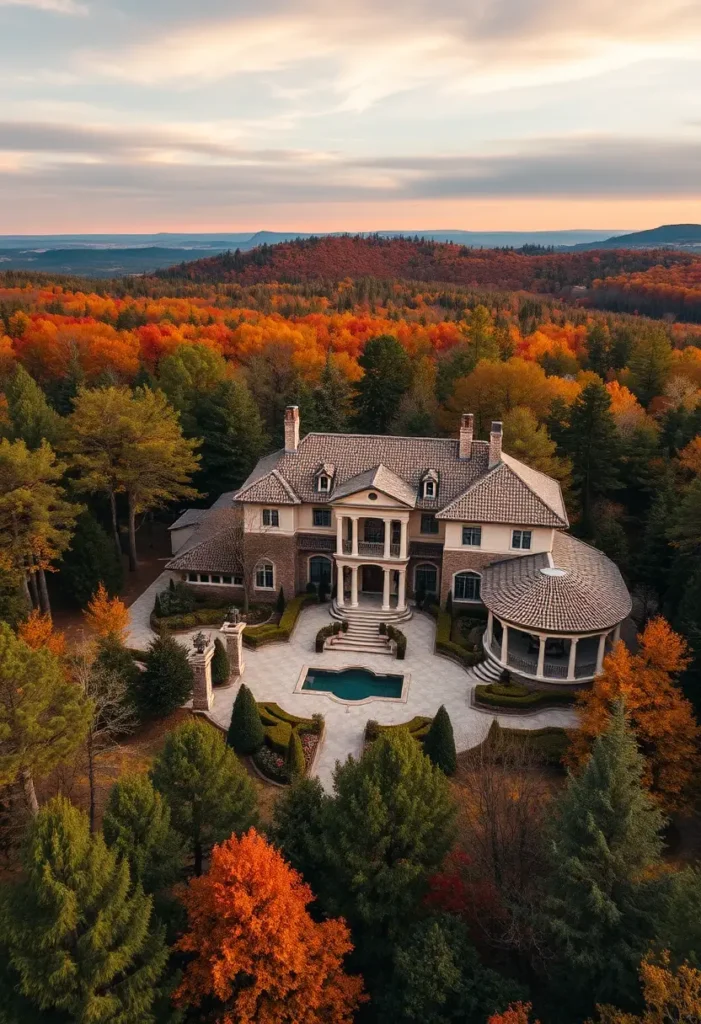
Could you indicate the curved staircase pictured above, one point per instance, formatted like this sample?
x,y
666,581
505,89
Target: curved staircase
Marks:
x,y
363,635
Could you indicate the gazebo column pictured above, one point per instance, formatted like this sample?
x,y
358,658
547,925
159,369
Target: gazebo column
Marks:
x,y
385,590
572,663
504,643
388,539
401,591
339,534
541,656
340,596
354,548
490,629
354,586
600,653
617,633
402,539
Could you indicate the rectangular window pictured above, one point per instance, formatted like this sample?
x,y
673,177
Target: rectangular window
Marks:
x,y
472,536
429,489
192,577
429,523
216,579
271,517
238,580
467,586
521,539
264,577
204,577
321,516
226,580
322,483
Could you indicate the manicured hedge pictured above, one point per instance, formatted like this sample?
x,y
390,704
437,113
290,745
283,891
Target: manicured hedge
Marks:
x,y
550,742
485,694
268,633
333,629
188,620
278,726
400,640
444,645
418,726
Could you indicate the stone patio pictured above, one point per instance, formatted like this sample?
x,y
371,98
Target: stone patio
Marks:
x,y
272,673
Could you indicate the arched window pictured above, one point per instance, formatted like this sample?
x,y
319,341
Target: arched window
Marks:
x,y
426,579
265,576
320,570
466,586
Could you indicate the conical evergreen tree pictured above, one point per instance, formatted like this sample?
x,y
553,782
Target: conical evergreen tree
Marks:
x,y
167,682
77,935
294,763
220,664
603,908
439,744
298,828
592,443
246,732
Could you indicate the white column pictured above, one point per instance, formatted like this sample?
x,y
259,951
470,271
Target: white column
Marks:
x,y
354,586
402,543
385,590
354,548
617,633
490,627
541,656
505,644
401,592
572,663
339,534
600,653
340,599
388,535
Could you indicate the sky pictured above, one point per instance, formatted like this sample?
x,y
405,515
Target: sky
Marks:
x,y
330,115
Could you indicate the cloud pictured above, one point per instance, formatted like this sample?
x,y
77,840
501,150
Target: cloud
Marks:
x,y
56,6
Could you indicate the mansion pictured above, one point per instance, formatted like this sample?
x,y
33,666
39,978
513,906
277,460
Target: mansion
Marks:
x,y
385,519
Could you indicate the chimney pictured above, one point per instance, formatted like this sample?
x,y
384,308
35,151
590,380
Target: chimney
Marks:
x,y
495,443
291,428
467,421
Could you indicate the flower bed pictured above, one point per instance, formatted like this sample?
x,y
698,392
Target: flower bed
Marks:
x,y
269,633
467,656
278,725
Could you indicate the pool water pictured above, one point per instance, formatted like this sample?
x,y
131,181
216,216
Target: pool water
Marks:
x,y
353,683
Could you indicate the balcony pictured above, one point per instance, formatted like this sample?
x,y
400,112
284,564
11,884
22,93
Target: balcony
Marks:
x,y
522,656
371,549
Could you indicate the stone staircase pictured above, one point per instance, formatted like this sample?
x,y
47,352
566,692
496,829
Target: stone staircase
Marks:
x,y
363,635
486,671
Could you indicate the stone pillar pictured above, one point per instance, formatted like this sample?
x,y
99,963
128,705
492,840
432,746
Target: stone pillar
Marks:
x,y
600,653
504,643
233,638
401,591
388,535
339,534
202,687
354,548
340,596
354,585
572,663
541,656
490,628
385,590
617,633
402,542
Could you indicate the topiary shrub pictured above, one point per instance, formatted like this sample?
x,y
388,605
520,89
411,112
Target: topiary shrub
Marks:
x,y
220,664
323,591
166,683
439,743
246,733
280,603
295,766
372,729
399,639
449,603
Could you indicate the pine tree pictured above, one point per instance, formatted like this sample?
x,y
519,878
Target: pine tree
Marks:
x,y
386,377
233,438
32,419
439,744
90,560
332,399
114,657
602,908
167,682
298,828
650,362
280,603
136,824
76,932
246,732
207,789
220,664
295,766
416,416
591,442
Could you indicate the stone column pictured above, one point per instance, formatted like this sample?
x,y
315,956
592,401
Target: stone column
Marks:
x,y
401,591
354,586
490,628
600,653
339,534
388,535
504,643
541,656
402,542
572,663
617,633
233,638
202,687
385,590
354,549
340,596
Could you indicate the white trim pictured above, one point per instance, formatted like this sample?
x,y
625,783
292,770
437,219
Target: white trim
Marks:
x,y
521,530
466,600
259,565
319,554
208,582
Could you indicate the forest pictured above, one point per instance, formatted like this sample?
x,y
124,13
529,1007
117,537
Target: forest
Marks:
x,y
496,885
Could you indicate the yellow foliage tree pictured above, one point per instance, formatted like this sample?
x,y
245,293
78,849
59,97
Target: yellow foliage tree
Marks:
x,y
671,996
690,457
107,616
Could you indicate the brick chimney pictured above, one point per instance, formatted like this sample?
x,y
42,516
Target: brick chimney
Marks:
x,y
291,428
495,436
467,429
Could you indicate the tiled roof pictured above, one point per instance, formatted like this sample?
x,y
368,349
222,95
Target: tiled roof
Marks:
x,y
215,546
576,590
270,489
384,480
190,517
503,496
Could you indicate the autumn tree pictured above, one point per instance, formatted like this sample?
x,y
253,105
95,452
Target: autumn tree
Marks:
x,y
530,442
43,716
494,388
516,1013
38,632
107,616
670,995
208,790
257,955
131,443
386,378
660,717
30,417
76,934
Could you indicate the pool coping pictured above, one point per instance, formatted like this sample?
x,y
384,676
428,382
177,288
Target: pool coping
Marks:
x,y
402,699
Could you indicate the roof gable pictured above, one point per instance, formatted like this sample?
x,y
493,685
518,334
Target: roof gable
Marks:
x,y
502,496
271,489
378,478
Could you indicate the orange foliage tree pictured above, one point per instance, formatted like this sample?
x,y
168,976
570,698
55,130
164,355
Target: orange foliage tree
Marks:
x,y
107,616
690,457
659,714
38,632
670,995
517,1013
256,949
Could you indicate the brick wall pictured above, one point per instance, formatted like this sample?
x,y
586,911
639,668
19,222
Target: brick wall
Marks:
x,y
281,551
457,561
418,560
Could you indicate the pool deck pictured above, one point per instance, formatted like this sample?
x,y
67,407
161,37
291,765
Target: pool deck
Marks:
x,y
272,673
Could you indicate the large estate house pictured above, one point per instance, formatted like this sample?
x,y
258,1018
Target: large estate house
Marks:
x,y
382,518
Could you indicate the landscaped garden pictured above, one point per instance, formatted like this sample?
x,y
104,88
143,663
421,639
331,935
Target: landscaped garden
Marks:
x,y
281,746
179,608
458,636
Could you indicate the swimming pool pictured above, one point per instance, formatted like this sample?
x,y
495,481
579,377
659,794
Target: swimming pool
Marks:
x,y
352,684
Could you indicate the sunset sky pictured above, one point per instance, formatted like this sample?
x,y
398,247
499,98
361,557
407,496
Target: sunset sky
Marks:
x,y
147,115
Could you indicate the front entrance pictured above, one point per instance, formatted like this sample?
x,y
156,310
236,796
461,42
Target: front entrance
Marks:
x,y
373,579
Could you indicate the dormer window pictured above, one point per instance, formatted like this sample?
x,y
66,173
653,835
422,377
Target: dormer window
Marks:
x,y
429,485
429,488
323,477
323,483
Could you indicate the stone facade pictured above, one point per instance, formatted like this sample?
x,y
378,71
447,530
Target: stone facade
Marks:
x,y
282,552
459,561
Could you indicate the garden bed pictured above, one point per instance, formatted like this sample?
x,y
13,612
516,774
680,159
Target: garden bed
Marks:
x,y
278,725
179,608
512,697
418,727
270,633
464,655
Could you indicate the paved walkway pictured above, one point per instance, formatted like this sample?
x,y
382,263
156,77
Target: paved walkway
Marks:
x,y
272,674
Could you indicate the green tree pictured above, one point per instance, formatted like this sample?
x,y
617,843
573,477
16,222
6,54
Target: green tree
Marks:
x,y
437,978
31,418
77,934
654,554
43,716
15,604
439,744
591,442
246,732
167,682
295,766
599,349
416,416
685,531
113,656
186,376
298,828
650,362
386,378
609,535
90,560
603,908
207,789
220,664
136,824
130,442
389,826
530,442
332,399
233,438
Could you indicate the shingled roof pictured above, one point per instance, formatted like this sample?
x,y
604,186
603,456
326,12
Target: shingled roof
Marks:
x,y
382,479
577,589
510,493
215,546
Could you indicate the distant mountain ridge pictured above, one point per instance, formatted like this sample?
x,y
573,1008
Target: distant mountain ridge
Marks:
x,y
676,236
